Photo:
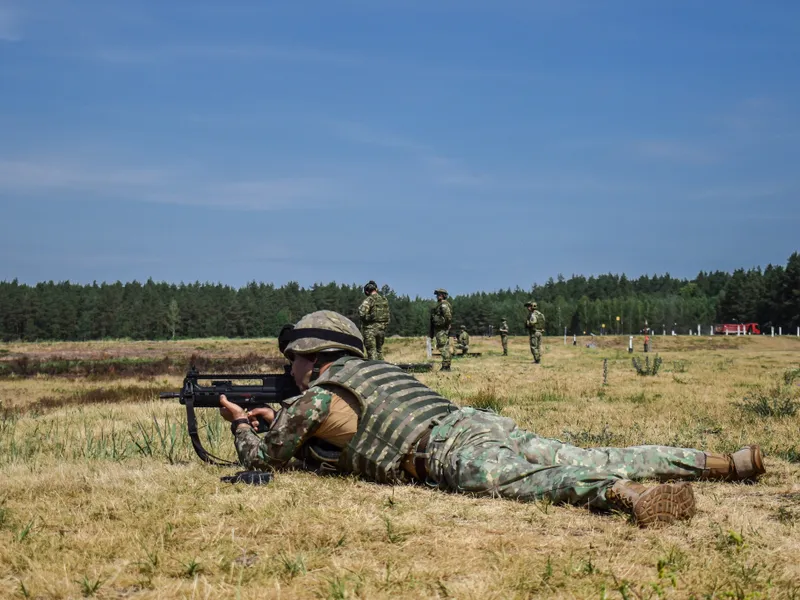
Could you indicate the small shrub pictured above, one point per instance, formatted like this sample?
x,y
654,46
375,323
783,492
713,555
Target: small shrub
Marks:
x,y
679,366
777,402
790,375
647,368
486,399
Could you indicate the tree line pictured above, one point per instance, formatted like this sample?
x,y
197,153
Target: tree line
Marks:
x,y
158,310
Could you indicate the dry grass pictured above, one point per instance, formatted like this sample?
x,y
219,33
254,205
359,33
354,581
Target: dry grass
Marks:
x,y
101,494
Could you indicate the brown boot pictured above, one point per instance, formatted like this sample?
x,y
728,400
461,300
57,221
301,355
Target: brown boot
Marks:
x,y
746,464
652,506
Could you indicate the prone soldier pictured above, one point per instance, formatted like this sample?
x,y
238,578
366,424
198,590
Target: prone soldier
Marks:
x,y
371,419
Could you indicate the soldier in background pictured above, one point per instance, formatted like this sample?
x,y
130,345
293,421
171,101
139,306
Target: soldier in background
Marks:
x,y
374,313
535,326
463,341
441,317
504,336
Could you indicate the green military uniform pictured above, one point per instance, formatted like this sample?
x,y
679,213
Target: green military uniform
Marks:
x,y
463,341
504,337
468,450
535,326
375,317
441,318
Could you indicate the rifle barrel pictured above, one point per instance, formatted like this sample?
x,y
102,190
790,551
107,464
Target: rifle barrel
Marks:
x,y
169,395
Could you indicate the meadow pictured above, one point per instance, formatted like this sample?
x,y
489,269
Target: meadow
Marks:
x,y
101,494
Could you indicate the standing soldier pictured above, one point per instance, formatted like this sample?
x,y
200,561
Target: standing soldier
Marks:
x,y
535,326
463,341
504,336
441,317
374,313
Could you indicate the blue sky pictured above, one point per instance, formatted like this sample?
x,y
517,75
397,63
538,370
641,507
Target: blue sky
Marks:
x,y
467,144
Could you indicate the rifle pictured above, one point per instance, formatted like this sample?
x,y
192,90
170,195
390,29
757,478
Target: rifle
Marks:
x,y
273,389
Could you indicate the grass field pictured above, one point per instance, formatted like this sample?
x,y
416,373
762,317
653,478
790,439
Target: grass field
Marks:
x,y
101,494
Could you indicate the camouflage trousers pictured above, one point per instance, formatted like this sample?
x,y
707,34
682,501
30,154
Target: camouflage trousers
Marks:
x,y
536,345
443,346
464,348
373,341
479,452
504,341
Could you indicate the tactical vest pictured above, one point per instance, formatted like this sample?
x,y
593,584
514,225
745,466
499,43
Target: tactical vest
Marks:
x,y
396,409
380,310
439,316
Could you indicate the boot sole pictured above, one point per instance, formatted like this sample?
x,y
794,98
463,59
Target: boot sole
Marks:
x,y
665,504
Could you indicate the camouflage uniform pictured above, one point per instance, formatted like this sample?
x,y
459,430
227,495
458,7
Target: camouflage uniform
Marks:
x,y
482,453
504,337
375,316
441,317
535,325
477,452
463,342
294,425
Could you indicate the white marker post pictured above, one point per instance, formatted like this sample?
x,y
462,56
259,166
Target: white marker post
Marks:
x,y
710,330
565,336
574,339
698,330
630,345
772,331
428,349
780,331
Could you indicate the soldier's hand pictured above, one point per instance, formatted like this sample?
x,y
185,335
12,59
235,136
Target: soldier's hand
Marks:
x,y
230,411
264,412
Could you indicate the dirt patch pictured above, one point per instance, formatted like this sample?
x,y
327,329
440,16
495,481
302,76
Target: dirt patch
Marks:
x,y
25,366
101,395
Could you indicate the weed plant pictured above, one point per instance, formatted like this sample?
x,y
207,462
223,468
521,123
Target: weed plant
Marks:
x,y
647,368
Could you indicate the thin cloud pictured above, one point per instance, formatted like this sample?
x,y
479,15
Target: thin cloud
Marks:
x,y
182,187
443,170
677,151
133,55
25,175
745,192
10,24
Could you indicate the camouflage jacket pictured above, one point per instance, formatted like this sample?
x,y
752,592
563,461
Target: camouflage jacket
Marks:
x,y
296,423
463,338
535,321
374,310
503,330
442,315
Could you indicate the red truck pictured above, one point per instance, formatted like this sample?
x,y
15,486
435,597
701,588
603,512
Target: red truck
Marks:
x,y
734,328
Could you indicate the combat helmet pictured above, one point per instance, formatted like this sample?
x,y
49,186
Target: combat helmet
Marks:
x,y
370,287
463,328
532,304
320,331
441,291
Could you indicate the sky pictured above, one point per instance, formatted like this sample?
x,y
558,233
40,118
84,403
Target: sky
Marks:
x,y
472,145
